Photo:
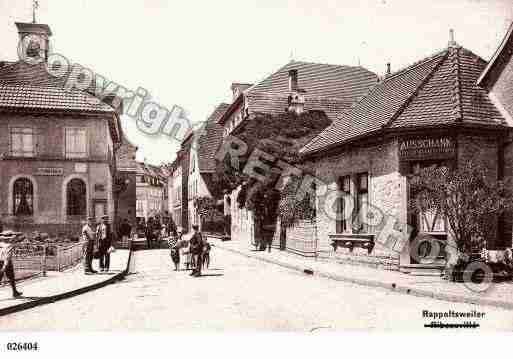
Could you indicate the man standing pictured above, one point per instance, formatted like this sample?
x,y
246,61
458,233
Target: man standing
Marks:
x,y
104,236
6,266
148,232
197,251
125,230
88,237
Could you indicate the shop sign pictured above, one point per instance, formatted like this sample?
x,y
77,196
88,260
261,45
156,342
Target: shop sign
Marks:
x,y
420,148
49,171
98,187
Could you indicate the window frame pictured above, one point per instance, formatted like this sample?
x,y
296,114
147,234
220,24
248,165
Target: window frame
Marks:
x,y
341,224
71,155
359,194
32,198
19,130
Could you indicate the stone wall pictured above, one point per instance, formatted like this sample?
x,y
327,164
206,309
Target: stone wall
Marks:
x,y
387,191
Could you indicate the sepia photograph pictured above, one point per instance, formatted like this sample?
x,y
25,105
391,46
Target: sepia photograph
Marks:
x,y
290,167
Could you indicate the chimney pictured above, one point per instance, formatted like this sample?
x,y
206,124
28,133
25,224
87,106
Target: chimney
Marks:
x,y
237,88
388,69
34,42
293,80
452,43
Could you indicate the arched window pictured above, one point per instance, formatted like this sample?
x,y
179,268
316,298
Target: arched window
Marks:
x,y
76,198
23,197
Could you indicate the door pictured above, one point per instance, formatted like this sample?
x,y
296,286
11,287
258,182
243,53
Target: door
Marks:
x,y
427,224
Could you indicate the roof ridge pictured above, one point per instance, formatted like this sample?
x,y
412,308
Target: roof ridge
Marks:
x,y
456,88
414,65
305,94
414,93
327,64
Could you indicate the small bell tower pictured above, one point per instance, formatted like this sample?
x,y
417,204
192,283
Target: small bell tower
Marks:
x,y
34,41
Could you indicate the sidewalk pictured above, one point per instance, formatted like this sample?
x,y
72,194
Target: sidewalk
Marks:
x,y
499,295
60,285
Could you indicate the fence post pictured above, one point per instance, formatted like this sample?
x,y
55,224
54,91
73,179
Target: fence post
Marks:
x,y
44,259
58,258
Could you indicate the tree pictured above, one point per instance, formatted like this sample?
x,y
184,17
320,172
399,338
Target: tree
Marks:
x,y
281,136
467,196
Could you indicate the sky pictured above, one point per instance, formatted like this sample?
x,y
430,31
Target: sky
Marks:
x,y
188,53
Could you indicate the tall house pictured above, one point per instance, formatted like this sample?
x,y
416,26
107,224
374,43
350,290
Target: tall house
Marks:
x,y
57,146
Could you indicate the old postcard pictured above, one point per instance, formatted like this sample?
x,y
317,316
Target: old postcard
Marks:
x,y
239,166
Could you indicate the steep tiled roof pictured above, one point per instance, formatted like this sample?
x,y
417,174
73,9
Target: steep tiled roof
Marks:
x,y
329,88
49,98
439,90
499,59
210,139
277,104
26,86
320,80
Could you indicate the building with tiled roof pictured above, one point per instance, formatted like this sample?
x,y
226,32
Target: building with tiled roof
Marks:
x,y
57,145
497,77
322,87
431,113
151,192
438,91
194,171
295,88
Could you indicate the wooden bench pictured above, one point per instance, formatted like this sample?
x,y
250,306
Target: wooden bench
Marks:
x,y
351,241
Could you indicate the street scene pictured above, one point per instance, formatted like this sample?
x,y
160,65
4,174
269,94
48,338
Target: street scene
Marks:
x,y
286,186
234,296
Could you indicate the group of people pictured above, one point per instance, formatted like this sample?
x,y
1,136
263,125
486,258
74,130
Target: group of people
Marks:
x,y
98,244
198,250
154,230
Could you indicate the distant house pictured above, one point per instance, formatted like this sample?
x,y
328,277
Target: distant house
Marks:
x,y
57,147
296,87
193,171
151,191
125,184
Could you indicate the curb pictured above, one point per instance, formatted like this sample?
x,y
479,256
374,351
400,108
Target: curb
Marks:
x,y
57,297
372,283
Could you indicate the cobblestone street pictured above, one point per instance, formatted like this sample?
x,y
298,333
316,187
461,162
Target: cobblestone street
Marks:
x,y
237,293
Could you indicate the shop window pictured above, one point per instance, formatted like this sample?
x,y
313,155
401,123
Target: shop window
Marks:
x,y
22,142
23,197
76,143
76,198
344,186
362,200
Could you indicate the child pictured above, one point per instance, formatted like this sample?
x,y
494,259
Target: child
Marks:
x,y
206,254
175,244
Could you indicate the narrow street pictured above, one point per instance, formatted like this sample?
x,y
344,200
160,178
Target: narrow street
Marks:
x,y
237,293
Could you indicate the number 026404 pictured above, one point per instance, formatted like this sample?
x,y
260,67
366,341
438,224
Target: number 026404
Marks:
x,y
13,346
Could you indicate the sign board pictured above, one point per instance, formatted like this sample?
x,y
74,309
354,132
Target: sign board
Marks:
x,y
80,167
49,171
421,148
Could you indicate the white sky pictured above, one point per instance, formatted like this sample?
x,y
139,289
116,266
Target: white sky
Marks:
x,y
189,52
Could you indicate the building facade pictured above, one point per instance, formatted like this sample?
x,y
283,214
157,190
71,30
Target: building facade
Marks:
x,y
125,182
57,148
